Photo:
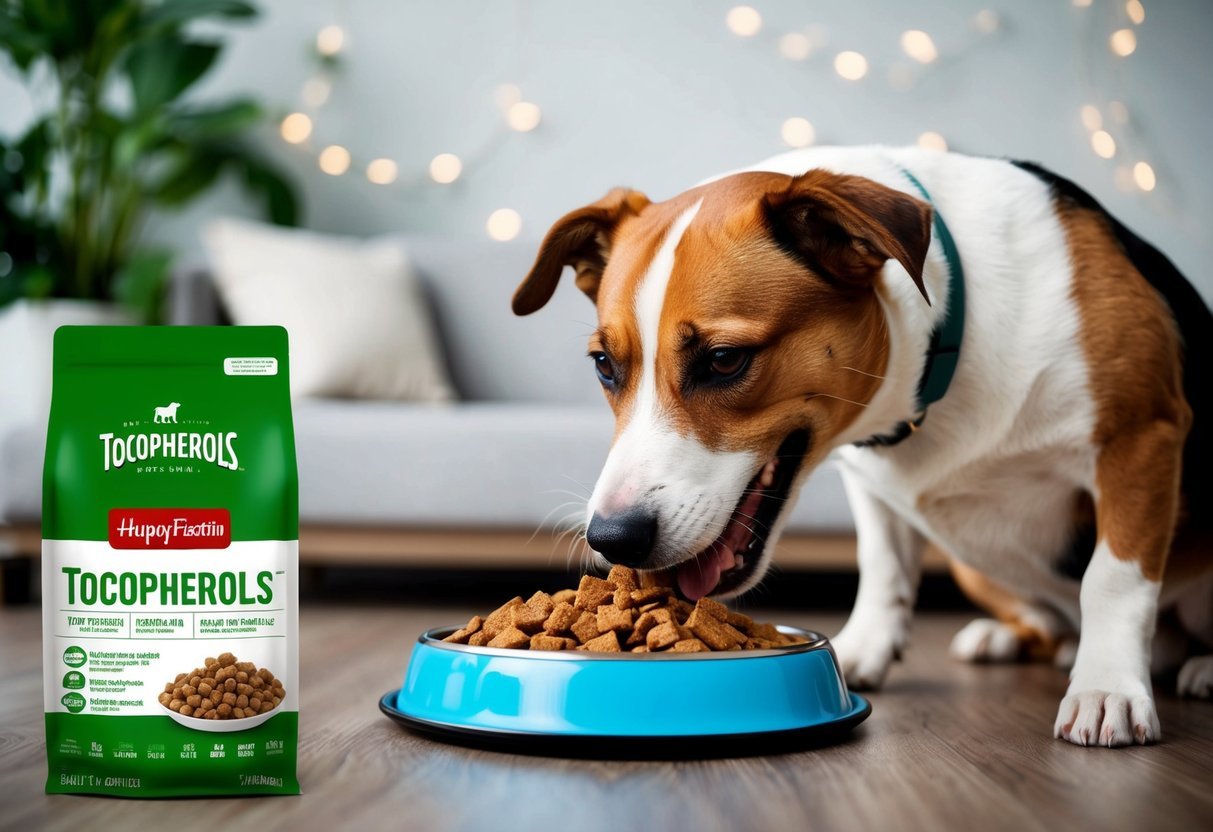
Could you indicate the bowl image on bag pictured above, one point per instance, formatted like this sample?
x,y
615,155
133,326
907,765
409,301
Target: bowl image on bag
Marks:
x,y
223,695
220,726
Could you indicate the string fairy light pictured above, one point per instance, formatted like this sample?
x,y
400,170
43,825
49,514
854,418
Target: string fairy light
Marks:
x,y
795,46
744,21
930,140
1123,42
503,224
445,168
329,40
1103,144
854,65
850,65
295,128
523,116
381,171
1108,125
1106,122
1143,176
987,21
334,160
1091,117
919,46
316,91
300,128
798,132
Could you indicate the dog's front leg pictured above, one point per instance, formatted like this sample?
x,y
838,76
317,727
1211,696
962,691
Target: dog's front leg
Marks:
x,y
1110,700
890,559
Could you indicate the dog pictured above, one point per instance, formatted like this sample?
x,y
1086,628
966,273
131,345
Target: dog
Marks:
x,y
166,414
998,366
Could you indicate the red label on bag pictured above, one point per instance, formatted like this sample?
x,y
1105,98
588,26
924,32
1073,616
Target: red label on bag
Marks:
x,y
170,528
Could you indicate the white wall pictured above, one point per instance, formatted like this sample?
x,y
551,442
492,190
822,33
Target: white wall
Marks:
x,y
657,95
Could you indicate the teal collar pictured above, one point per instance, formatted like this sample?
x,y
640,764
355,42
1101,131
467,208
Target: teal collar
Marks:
x,y
944,351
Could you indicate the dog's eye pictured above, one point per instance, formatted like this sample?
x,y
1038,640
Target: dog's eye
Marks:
x,y
727,363
604,367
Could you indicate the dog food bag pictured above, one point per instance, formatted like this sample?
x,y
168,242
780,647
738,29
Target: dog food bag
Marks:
x,y
170,563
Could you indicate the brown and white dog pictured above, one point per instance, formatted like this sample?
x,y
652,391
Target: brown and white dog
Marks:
x,y
762,321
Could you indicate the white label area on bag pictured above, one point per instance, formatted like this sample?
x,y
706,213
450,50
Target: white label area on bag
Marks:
x,y
118,626
250,366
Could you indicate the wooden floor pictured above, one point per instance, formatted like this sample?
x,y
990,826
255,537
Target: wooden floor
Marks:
x,y
948,747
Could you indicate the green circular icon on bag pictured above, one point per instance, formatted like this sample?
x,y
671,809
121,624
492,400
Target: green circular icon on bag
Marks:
x,y
75,656
73,701
73,680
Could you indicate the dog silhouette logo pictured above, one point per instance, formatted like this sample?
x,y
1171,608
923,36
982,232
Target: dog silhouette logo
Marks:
x,y
167,414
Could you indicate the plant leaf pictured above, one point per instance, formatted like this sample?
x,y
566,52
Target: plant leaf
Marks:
x,y
215,121
176,12
21,43
193,173
281,201
140,284
134,140
162,68
35,148
68,28
27,281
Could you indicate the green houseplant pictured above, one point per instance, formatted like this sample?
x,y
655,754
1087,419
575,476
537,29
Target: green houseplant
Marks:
x,y
111,140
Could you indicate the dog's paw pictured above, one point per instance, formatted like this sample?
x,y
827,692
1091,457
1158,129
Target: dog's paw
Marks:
x,y
865,653
1196,678
1097,717
985,640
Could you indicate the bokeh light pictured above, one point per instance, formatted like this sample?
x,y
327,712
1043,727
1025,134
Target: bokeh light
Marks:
x,y
504,224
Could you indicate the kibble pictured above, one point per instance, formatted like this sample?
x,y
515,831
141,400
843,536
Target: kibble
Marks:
x,y
224,688
626,611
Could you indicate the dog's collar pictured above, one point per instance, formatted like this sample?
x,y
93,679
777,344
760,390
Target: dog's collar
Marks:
x,y
944,350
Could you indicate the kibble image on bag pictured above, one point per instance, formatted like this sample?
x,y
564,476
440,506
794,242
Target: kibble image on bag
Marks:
x,y
170,563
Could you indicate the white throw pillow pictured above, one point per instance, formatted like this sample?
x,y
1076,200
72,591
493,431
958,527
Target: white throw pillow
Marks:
x,y
355,313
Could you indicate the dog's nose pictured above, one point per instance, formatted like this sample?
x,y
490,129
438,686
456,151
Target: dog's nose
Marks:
x,y
625,538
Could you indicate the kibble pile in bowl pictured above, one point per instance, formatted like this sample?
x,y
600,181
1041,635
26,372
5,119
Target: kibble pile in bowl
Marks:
x,y
617,615
223,688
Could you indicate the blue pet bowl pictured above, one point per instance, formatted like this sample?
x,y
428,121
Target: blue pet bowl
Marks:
x,y
597,704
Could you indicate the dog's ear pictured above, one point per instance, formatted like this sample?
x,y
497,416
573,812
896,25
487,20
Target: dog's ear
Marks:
x,y
581,239
847,227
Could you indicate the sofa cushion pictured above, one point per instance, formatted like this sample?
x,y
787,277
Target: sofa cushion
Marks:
x,y
357,318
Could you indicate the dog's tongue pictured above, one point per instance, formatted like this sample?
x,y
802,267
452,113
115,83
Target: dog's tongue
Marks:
x,y
700,575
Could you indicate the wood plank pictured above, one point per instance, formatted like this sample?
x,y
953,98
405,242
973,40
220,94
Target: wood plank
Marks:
x,y
949,746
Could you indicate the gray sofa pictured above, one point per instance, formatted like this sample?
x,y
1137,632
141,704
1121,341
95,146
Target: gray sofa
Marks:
x,y
384,481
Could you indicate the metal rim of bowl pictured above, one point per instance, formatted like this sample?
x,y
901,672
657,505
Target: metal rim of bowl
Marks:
x,y
813,641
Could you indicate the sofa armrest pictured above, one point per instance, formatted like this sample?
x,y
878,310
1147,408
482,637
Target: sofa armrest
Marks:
x,y
192,300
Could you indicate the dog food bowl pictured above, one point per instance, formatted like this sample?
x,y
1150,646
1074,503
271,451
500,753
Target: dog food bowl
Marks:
x,y
579,703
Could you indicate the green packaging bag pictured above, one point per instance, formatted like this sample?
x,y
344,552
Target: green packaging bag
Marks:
x,y
170,563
